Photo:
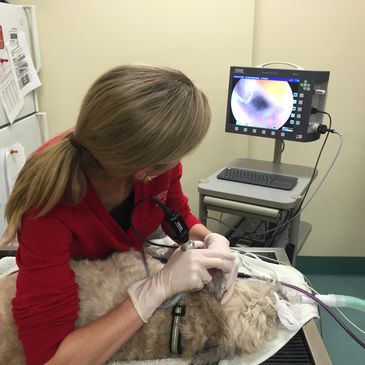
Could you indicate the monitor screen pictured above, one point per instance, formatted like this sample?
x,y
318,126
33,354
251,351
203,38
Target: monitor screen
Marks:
x,y
275,103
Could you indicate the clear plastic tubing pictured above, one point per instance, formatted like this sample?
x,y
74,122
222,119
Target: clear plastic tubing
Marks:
x,y
334,300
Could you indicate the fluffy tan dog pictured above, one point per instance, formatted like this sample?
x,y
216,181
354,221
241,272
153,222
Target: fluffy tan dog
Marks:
x,y
210,331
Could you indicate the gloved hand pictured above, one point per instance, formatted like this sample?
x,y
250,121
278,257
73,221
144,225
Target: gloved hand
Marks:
x,y
185,270
219,243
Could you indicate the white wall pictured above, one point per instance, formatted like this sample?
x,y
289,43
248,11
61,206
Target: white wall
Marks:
x,y
81,39
324,35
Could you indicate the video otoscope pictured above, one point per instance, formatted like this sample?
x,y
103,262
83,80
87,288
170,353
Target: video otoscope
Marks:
x,y
180,234
175,222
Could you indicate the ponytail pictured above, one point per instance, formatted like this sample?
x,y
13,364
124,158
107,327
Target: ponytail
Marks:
x,y
47,177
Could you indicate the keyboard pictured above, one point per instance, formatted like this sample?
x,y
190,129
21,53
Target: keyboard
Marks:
x,y
258,178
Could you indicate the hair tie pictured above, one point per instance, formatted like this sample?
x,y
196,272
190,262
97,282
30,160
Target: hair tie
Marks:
x,y
77,146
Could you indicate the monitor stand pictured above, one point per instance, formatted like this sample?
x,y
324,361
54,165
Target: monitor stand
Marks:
x,y
276,166
278,150
299,230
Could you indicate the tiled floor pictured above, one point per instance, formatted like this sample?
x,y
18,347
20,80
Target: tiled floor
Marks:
x,y
342,349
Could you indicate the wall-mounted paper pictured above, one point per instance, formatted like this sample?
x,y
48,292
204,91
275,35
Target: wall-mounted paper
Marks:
x,y
22,63
10,95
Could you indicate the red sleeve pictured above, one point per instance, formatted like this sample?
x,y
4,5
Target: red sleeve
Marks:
x,y
177,201
46,302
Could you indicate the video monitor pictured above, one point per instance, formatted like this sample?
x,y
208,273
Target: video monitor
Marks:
x,y
276,103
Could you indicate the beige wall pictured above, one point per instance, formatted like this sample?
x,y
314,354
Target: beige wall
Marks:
x,y
324,35
80,39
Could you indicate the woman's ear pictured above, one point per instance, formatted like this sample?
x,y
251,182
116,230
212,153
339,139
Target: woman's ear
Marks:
x,y
142,174
145,174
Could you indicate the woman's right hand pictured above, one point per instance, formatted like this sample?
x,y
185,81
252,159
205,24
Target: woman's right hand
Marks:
x,y
185,270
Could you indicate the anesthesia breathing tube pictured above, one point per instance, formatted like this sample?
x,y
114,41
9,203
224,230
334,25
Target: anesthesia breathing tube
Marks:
x,y
334,300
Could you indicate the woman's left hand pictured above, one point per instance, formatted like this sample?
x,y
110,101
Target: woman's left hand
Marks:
x,y
219,243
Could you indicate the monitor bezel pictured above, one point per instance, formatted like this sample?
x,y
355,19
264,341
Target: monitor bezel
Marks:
x,y
301,133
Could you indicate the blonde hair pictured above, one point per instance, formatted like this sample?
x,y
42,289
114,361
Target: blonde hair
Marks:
x,y
132,117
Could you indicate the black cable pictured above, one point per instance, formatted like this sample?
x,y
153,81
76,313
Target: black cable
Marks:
x,y
239,231
254,234
166,211
283,226
278,230
237,224
175,222
327,131
282,146
321,129
144,239
266,228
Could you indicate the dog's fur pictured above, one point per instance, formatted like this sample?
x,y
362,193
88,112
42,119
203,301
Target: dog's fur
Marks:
x,y
210,331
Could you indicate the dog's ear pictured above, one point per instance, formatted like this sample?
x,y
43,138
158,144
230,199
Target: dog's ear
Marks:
x,y
251,316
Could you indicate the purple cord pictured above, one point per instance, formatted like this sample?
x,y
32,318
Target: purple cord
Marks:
x,y
323,305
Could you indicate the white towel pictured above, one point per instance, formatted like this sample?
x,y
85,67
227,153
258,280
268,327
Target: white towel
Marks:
x,y
7,266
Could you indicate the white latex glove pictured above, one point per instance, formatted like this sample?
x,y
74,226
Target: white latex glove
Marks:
x,y
218,243
185,270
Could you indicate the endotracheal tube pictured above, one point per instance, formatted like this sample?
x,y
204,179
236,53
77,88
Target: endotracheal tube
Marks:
x,y
333,300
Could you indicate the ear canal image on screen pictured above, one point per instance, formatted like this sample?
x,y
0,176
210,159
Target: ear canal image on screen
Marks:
x,y
262,103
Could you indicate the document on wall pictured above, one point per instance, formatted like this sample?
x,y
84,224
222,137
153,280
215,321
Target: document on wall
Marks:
x,y
23,65
10,95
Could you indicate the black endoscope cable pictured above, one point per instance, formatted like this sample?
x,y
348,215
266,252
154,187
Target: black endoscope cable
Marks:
x,y
322,128
174,221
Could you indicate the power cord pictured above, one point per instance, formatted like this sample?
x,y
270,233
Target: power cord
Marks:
x,y
254,234
321,128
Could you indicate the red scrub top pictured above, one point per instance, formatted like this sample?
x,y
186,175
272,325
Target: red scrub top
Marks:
x,y
46,303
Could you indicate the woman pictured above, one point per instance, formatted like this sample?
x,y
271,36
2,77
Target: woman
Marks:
x,y
74,199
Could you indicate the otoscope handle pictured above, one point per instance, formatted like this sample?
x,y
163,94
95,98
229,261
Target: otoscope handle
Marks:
x,y
189,244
